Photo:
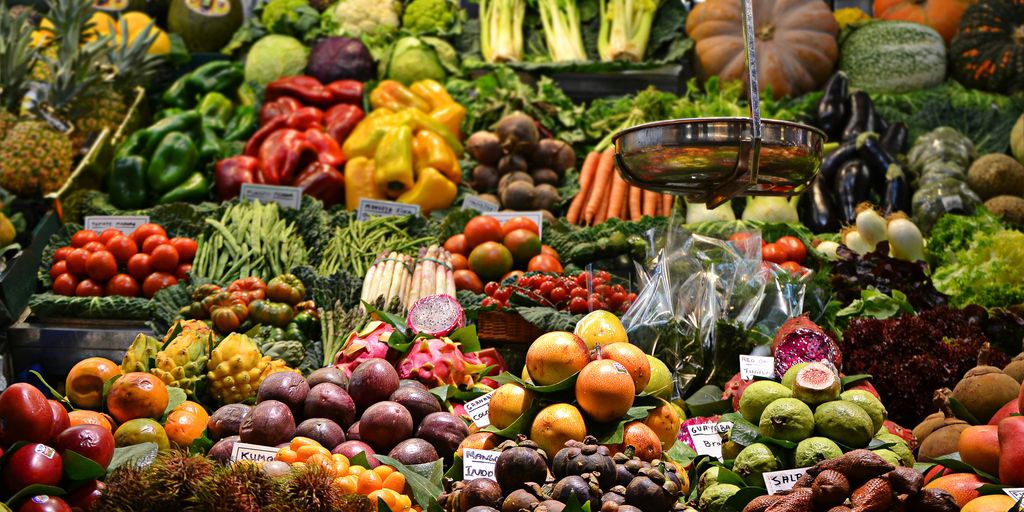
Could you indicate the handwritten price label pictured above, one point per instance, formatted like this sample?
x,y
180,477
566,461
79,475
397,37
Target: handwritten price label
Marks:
x,y
478,464
123,223
285,197
253,452
777,481
756,366
707,438
478,410
377,208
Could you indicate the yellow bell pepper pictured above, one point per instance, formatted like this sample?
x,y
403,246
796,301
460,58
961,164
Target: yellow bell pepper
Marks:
x,y
393,161
368,133
432,191
422,121
395,96
432,92
359,182
451,117
430,150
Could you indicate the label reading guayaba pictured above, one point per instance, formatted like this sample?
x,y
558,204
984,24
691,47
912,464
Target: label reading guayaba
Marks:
x,y
536,216
756,366
123,223
777,481
376,208
1017,493
707,438
253,452
478,408
478,463
478,204
285,197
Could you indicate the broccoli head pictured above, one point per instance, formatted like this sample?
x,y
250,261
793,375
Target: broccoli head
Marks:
x,y
289,17
428,16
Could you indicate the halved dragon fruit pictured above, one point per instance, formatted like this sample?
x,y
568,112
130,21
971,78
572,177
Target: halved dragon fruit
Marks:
x,y
436,316
734,390
438,361
488,358
369,343
684,433
803,346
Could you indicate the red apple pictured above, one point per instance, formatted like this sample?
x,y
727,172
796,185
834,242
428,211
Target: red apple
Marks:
x,y
61,421
33,463
44,503
25,415
87,496
90,441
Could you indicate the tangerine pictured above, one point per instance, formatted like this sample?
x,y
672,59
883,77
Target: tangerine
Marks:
x,y
369,481
645,442
556,356
137,395
194,408
183,428
85,381
605,390
979,447
507,404
665,421
963,486
556,424
83,417
991,503
348,483
634,359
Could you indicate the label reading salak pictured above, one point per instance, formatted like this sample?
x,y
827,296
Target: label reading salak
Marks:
x,y
478,409
478,464
777,481
707,438
252,453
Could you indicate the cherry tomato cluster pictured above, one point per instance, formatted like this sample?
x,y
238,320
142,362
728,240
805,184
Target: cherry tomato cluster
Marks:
x,y
112,263
578,294
787,252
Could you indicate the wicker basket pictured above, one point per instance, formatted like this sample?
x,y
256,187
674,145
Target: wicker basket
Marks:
x,y
503,327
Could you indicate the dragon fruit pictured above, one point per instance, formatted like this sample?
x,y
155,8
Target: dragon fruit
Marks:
x,y
903,433
488,358
864,385
236,369
369,343
734,390
797,322
438,361
436,316
684,433
804,345
182,363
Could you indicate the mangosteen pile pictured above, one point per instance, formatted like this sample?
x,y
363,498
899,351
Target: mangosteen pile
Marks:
x,y
585,470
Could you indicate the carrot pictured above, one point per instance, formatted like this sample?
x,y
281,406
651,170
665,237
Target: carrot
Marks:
x,y
651,202
618,196
634,202
603,211
602,182
586,179
666,205
624,212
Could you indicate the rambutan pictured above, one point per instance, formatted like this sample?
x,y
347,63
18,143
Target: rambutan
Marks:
x,y
173,478
310,488
238,487
126,491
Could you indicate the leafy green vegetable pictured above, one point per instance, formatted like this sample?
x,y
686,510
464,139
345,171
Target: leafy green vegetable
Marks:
x,y
561,22
293,18
987,272
275,56
954,233
419,58
50,305
429,16
876,304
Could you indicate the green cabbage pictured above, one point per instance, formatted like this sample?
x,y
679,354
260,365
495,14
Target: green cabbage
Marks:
x,y
273,57
419,58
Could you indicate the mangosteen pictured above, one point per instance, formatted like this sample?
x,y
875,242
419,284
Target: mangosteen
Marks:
x,y
481,492
520,463
519,499
550,506
615,495
573,484
646,493
586,457
482,508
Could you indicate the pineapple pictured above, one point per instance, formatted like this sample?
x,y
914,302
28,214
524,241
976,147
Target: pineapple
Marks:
x,y
35,159
236,369
182,363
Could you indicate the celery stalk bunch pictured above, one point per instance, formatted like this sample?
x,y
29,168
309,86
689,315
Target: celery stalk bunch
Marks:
x,y
626,28
501,30
561,21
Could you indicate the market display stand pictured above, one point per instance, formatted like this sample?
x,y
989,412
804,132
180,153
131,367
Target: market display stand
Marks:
x,y
52,347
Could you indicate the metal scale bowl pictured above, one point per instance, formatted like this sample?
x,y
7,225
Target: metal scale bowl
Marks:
x,y
712,160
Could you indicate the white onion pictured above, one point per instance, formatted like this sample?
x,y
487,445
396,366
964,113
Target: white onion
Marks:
x,y
871,225
856,243
905,239
828,249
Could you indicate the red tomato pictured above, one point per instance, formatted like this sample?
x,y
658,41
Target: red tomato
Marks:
x,y
793,268
491,288
155,282
774,253
122,247
144,231
457,245
482,229
795,249
89,288
547,249
152,242
467,280
65,284
459,262
124,285
62,253
578,305
740,236
544,263
186,248
95,246
559,294
109,233
83,237
164,257
76,262
58,268
519,223
101,266
140,266
181,273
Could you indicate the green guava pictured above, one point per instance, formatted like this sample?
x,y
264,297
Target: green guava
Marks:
x,y
844,422
754,461
707,478
889,456
790,376
816,384
713,498
758,395
869,403
788,419
899,447
813,450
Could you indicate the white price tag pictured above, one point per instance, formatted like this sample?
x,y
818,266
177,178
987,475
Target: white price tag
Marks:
x,y
951,203
478,204
707,438
478,463
536,216
477,409
123,223
377,208
253,452
1017,493
756,366
782,480
285,197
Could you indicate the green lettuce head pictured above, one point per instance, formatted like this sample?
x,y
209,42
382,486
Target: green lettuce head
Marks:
x,y
273,57
420,58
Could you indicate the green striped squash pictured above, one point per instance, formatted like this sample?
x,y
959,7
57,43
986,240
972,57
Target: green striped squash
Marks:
x,y
893,57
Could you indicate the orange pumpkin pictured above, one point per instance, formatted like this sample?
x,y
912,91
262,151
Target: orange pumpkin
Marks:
x,y
941,15
796,43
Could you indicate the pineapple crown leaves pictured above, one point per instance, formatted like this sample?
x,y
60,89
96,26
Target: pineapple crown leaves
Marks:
x,y
77,68
129,57
17,56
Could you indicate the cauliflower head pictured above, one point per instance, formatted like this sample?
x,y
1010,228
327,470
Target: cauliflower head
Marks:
x,y
355,18
428,16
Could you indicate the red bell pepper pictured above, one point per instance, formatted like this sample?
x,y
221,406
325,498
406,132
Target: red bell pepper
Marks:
x,y
252,148
282,106
340,120
322,182
346,91
229,175
306,89
305,118
282,155
328,150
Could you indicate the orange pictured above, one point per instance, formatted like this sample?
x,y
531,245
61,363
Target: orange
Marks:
x,y
390,498
507,404
369,481
383,471
348,483
341,464
556,424
963,486
991,503
183,428
556,356
979,447
479,441
194,408
85,381
137,395
395,481
287,455
305,452
644,441
82,417
605,390
299,442
633,359
664,420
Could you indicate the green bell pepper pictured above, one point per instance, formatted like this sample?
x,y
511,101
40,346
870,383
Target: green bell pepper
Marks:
x,y
187,122
216,110
127,182
248,96
308,323
220,76
294,332
210,147
168,112
193,190
243,124
172,163
179,94
133,145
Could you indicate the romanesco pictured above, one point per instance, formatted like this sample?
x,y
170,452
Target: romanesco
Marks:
x,y
355,18
428,16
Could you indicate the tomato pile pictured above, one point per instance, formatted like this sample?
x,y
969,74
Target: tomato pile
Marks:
x,y
582,293
488,250
112,263
787,252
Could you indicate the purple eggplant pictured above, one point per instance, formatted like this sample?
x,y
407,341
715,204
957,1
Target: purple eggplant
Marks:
x,y
852,186
832,106
817,210
862,116
894,140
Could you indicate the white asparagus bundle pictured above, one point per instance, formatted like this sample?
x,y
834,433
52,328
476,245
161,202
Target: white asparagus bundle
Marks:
x,y
411,297
450,283
445,268
370,281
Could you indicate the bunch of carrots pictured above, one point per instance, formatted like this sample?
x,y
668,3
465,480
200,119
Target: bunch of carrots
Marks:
x,y
605,195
